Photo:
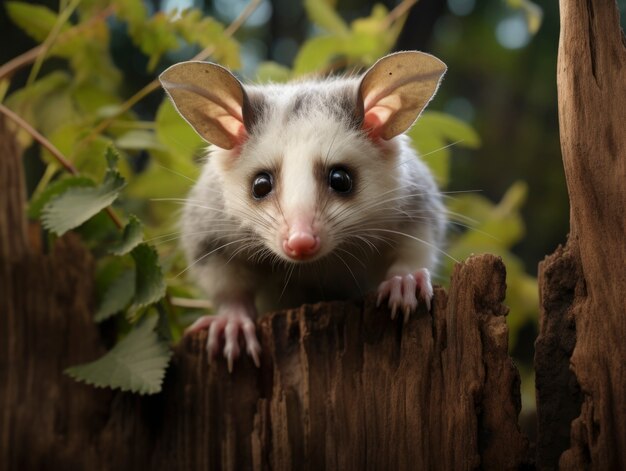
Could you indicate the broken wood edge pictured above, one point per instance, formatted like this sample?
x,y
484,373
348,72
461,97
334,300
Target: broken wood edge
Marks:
x,y
290,337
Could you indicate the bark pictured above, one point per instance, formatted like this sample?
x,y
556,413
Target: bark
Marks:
x,y
582,285
45,326
341,385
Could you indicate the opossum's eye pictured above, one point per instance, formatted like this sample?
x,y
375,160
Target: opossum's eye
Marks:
x,y
340,180
262,185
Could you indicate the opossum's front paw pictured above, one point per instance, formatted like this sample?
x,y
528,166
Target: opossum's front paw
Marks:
x,y
401,291
224,329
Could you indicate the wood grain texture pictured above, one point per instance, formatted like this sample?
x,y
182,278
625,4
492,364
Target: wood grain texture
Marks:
x,y
584,283
13,232
47,421
343,387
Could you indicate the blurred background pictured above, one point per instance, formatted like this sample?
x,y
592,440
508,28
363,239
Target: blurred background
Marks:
x,y
490,135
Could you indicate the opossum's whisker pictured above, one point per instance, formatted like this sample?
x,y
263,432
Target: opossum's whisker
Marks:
x,y
289,273
351,272
211,252
360,262
418,240
432,151
175,172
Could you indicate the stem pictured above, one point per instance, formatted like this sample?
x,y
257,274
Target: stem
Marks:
x,y
65,163
49,41
398,11
155,85
392,17
123,108
51,169
123,124
237,22
9,68
114,217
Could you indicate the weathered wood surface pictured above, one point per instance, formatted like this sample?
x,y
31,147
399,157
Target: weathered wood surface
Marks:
x,y
45,325
583,284
343,387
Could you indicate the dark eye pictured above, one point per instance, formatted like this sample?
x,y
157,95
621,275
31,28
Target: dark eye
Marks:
x,y
340,180
262,185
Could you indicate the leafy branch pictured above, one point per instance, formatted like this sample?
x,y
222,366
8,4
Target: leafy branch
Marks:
x,y
30,56
154,84
61,159
52,36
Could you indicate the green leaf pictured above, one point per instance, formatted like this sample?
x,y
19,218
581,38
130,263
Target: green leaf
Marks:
x,y
4,88
316,53
324,16
112,158
450,129
86,157
367,39
374,24
432,135
205,31
131,238
372,36
137,363
36,20
149,281
56,188
117,296
154,36
270,71
76,205
134,12
89,56
46,104
161,181
138,140
433,152
173,132
91,99
514,198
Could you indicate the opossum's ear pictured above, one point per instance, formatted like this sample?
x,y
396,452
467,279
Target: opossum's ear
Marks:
x,y
395,90
211,99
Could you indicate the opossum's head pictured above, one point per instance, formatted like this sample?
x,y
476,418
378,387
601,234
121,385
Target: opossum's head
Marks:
x,y
305,165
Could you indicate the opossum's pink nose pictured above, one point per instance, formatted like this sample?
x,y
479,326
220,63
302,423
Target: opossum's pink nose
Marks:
x,y
301,244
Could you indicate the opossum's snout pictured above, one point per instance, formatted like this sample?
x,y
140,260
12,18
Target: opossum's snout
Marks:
x,y
301,242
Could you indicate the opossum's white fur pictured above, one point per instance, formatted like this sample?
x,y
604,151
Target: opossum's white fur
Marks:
x,y
301,128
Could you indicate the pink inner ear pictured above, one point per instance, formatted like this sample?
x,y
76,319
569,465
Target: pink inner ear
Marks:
x,y
378,113
234,127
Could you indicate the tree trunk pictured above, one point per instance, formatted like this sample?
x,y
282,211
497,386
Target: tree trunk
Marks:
x,y
341,385
582,285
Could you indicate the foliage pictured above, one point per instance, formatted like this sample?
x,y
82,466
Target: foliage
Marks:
x,y
82,108
137,363
77,204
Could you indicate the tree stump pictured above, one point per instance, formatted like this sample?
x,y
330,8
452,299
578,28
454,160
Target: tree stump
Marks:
x,y
341,386
582,285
